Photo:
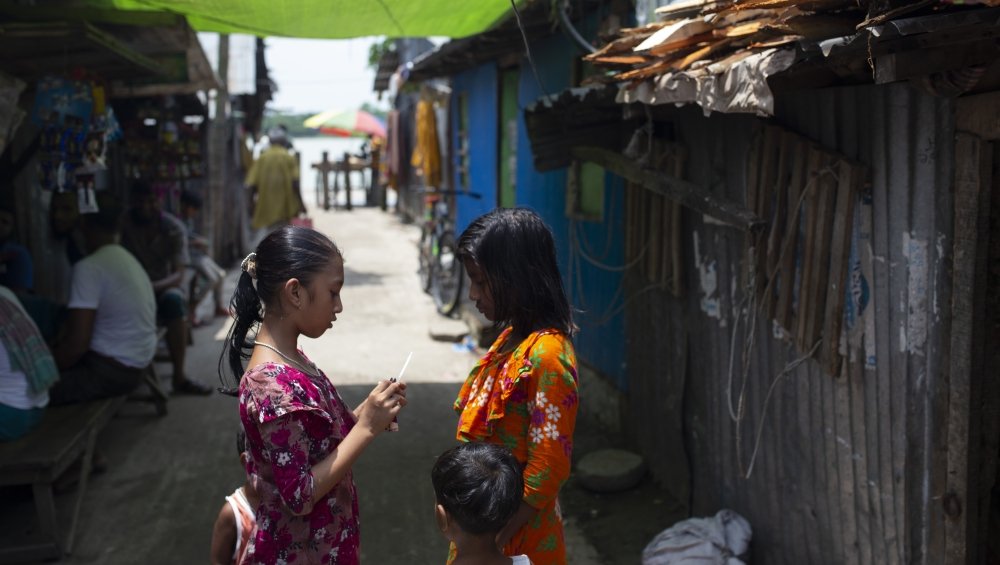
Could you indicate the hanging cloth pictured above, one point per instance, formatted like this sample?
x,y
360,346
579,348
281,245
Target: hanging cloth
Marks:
x,y
25,345
393,149
427,154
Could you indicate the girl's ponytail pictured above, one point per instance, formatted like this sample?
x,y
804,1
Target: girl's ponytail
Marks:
x,y
248,311
288,252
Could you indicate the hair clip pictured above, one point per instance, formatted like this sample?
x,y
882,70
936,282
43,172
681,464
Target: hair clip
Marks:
x,y
249,265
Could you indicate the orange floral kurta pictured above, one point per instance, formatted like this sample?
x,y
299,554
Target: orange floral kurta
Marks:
x,y
526,400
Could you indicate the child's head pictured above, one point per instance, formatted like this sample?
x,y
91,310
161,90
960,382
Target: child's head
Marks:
x,y
510,256
97,227
295,272
64,213
145,205
478,487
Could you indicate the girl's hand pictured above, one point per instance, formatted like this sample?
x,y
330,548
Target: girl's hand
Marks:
x,y
382,405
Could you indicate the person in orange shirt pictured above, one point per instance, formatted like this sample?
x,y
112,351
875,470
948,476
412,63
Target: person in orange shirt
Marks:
x,y
523,393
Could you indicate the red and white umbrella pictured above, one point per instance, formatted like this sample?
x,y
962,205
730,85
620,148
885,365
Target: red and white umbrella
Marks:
x,y
346,123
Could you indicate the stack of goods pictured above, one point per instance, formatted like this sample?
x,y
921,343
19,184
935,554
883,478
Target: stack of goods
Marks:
x,y
76,124
163,147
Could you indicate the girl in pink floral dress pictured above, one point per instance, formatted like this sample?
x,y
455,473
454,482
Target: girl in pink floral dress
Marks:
x,y
301,438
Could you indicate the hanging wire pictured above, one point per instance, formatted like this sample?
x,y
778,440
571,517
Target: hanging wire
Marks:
x,y
578,252
580,243
748,310
392,17
613,268
751,297
563,13
527,48
791,366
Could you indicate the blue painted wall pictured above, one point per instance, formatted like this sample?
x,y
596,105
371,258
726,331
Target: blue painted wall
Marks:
x,y
480,87
595,292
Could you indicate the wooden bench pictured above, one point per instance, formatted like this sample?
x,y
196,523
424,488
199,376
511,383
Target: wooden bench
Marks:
x,y
65,434
157,395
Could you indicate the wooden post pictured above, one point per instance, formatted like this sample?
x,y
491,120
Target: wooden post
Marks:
x,y
336,182
377,189
218,155
325,172
347,180
960,501
325,167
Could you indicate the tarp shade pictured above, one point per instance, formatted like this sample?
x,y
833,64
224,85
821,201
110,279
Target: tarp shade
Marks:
x,y
327,19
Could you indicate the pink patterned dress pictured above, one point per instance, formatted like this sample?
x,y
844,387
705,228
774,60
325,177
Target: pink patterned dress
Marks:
x,y
292,421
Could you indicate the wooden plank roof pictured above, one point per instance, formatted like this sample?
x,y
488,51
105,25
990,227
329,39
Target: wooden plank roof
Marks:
x,y
831,41
32,50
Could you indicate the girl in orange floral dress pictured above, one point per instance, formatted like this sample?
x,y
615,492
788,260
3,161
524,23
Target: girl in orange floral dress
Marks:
x,y
523,393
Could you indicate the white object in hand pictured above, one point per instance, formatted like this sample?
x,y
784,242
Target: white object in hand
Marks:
x,y
394,425
405,363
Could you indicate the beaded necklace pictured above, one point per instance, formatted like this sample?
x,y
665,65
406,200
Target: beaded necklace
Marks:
x,y
315,370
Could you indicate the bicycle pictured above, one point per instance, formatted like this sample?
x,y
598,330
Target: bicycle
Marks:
x,y
440,270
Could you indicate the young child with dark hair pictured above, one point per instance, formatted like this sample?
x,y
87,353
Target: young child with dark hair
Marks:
x,y
237,518
478,488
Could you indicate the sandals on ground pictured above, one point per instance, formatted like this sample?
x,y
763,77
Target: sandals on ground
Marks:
x,y
192,387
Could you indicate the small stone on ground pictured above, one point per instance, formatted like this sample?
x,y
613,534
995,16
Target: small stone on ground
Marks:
x,y
610,470
447,329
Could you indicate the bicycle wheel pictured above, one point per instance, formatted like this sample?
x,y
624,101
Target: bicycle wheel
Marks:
x,y
426,248
446,284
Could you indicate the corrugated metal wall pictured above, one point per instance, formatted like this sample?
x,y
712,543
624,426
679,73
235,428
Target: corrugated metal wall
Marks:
x,y
847,468
595,291
479,87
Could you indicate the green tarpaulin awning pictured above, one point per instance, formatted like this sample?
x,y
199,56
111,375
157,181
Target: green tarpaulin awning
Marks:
x,y
326,19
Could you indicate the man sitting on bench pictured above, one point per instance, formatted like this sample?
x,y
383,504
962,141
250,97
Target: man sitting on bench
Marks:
x,y
110,333
158,241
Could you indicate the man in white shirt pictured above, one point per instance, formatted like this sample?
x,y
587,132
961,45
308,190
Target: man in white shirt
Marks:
x,y
110,335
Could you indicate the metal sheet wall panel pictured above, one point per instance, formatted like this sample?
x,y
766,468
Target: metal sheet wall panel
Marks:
x,y
598,296
596,292
845,468
479,87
